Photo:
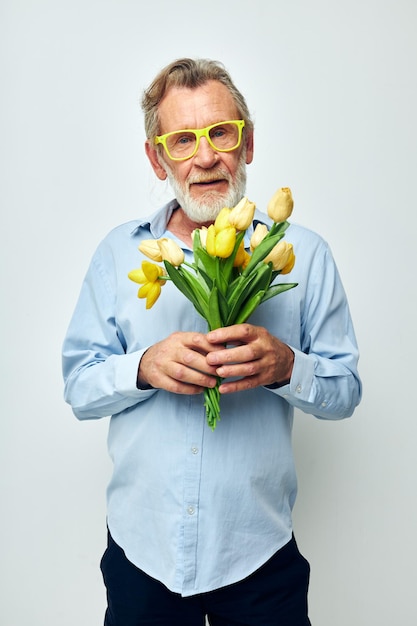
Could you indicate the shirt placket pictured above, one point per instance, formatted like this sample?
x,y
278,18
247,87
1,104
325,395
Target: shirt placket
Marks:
x,y
192,481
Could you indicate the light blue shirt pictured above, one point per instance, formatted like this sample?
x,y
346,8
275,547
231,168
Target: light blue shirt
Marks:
x,y
193,508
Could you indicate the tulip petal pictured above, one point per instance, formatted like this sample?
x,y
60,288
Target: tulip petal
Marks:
x,y
171,251
222,220
211,240
150,248
151,271
137,276
281,205
144,290
280,255
241,215
289,266
153,294
225,242
258,234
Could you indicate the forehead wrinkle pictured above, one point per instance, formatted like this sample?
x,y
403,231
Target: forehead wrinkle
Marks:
x,y
184,108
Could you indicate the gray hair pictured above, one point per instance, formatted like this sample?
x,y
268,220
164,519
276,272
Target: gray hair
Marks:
x,y
189,73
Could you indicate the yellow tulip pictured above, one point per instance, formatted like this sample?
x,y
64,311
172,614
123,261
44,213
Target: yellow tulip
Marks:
x,y
222,220
241,215
242,257
149,277
220,244
281,205
150,248
281,256
258,234
287,268
203,236
171,251
211,240
225,242
150,291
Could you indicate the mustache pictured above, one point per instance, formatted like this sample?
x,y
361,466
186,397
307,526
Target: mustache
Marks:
x,y
208,177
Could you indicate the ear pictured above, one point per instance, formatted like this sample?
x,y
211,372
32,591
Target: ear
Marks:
x,y
152,155
249,147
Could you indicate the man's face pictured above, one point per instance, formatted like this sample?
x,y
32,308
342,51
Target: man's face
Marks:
x,y
209,180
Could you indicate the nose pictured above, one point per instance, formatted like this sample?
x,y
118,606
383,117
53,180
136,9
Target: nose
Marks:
x,y
205,156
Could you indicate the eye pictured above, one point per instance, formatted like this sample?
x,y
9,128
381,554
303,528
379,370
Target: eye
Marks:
x,y
218,132
181,143
183,139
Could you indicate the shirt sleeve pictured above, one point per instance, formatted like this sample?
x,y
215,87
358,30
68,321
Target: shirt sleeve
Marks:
x,y
325,380
100,376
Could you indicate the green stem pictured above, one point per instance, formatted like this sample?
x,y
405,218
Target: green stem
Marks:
x,y
212,404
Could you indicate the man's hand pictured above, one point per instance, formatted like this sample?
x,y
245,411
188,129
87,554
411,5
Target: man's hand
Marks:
x,y
256,357
178,364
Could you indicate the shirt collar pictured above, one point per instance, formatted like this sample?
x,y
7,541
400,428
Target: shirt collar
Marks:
x,y
157,223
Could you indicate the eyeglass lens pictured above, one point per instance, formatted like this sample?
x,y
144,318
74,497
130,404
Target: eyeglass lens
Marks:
x,y
222,137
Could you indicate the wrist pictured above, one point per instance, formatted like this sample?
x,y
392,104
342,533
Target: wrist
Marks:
x,y
286,378
141,382
279,384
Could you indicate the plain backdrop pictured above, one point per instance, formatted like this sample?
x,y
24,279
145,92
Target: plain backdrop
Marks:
x,y
332,89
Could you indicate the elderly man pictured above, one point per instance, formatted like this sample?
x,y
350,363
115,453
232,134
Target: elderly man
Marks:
x,y
199,523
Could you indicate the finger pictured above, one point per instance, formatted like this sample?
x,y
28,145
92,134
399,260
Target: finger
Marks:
x,y
201,344
172,365
233,334
251,368
237,354
188,381
196,361
177,378
242,384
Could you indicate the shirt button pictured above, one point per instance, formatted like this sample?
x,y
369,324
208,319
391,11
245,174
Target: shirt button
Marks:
x,y
190,510
194,450
323,404
298,388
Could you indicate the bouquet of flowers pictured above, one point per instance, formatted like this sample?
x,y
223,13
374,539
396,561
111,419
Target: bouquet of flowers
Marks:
x,y
225,283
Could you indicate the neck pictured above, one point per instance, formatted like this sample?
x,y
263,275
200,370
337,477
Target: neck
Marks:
x,y
182,226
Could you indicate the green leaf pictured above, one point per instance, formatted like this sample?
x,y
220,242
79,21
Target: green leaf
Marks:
x,y
265,247
203,259
279,227
249,308
224,307
214,318
221,280
179,281
227,264
237,296
197,286
258,280
208,280
274,290
190,287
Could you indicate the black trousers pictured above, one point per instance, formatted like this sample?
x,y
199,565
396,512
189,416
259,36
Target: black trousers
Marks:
x,y
274,595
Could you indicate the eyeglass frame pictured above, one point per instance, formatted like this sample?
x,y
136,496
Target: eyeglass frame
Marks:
x,y
200,132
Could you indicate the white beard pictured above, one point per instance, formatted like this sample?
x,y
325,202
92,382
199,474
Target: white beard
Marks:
x,y
209,205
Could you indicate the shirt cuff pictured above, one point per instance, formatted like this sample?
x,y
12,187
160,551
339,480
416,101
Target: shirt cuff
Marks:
x,y
127,373
301,379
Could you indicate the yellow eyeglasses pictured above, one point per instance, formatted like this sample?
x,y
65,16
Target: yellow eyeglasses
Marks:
x,y
183,144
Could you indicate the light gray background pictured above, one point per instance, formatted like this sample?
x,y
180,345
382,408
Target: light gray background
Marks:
x,y
332,87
